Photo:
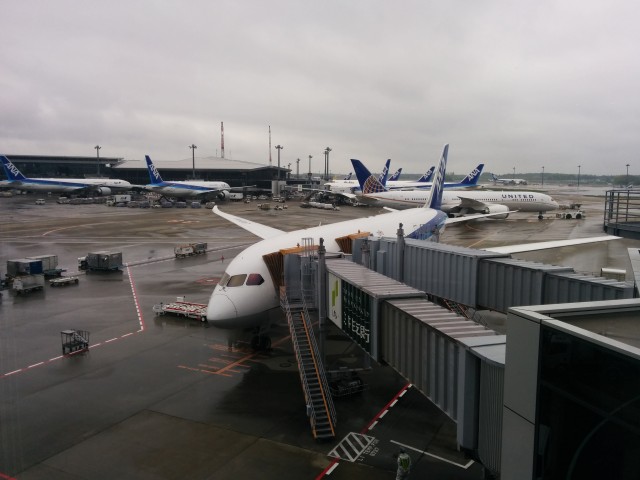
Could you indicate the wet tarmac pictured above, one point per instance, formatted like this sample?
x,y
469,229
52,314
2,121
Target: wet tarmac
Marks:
x,y
160,397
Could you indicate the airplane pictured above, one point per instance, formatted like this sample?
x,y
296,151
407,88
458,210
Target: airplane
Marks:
x,y
348,177
96,186
347,185
199,189
454,203
508,181
246,296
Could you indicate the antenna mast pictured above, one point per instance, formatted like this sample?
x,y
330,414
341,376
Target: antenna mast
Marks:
x,y
269,145
222,139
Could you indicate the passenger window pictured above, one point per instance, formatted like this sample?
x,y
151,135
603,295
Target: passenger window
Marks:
x,y
237,280
223,281
255,279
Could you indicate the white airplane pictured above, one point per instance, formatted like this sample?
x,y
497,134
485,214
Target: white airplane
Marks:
x,y
95,186
246,297
508,181
347,185
199,189
454,203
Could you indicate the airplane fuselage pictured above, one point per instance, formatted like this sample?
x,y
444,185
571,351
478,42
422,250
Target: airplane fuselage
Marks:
x,y
69,185
451,199
188,189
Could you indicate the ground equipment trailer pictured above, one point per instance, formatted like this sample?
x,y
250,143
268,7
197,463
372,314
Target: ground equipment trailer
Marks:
x,y
181,308
190,249
63,281
101,261
27,283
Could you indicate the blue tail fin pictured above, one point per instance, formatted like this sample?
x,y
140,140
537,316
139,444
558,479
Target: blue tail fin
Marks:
x,y
11,170
435,195
382,178
396,176
348,177
473,177
368,183
427,176
154,174
493,177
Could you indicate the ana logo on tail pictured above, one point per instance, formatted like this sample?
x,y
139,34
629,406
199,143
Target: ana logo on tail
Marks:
x,y
12,171
153,171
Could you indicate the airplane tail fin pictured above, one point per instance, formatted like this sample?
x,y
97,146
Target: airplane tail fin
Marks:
x,y
427,176
154,174
493,177
383,177
473,177
435,194
11,170
396,176
368,183
348,177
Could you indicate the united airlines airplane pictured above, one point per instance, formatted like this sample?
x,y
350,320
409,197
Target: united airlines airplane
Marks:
x,y
94,186
454,202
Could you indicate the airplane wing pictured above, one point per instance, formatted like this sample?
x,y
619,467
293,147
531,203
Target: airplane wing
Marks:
x,y
262,231
471,204
530,247
466,218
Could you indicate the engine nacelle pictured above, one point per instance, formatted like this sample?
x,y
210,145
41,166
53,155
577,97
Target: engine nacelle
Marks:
x,y
501,210
223,194
103,191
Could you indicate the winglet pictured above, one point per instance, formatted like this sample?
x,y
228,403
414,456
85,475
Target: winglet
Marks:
x,y
473,177
154,174
435,194
11,170
368,183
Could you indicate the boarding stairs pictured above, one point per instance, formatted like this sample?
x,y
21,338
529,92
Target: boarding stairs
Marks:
x,y
320,408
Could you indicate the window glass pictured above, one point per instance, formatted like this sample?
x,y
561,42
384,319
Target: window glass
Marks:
x,y
237,280
255,279
223,281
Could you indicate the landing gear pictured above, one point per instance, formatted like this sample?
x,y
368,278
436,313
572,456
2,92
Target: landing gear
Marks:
x,y
540,216
261,342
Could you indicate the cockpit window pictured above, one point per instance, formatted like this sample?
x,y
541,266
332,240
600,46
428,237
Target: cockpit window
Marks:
x,y
223,281
237,280
255,279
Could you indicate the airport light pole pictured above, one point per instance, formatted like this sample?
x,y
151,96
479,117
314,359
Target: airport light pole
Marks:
x,y
298,168
627,175
193,160
98,147
326,163
310,157
514,172
289,168
578,177
543,176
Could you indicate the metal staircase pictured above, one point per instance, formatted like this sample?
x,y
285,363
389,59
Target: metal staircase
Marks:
x,y
320,408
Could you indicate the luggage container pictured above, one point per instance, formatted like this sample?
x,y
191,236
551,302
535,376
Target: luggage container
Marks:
x,y
189,249
74,341
27,283
103,260
23,266
49,265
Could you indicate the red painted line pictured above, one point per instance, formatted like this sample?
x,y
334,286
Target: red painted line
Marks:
x,y
135,299
327,471
386,407
6,477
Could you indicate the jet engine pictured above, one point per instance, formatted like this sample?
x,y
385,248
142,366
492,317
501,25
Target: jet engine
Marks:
x,y
103,191
497,209
223,194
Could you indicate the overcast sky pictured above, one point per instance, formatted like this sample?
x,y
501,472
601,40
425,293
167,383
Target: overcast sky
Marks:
x,y
510,84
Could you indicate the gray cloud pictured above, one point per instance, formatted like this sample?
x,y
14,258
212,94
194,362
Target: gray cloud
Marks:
x,y
524,85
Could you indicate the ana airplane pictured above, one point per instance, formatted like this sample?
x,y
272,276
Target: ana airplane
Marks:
x,y
508,181
199,189
454,203
396,176
94,186
246,296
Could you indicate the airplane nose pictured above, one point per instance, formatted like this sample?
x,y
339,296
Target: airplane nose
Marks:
x,y
221,311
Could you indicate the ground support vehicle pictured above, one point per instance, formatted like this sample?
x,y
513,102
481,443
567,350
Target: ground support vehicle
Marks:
x,y
74,341
190,249
101,261
181,308
27,283
63,281
345,383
